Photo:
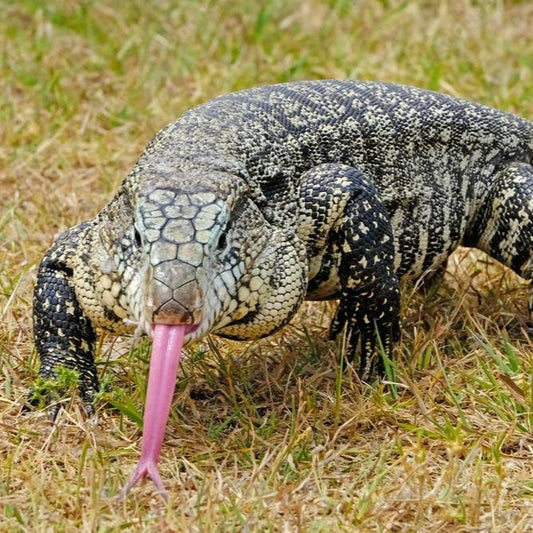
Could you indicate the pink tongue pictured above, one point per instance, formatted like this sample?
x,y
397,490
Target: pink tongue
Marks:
x,y
164,361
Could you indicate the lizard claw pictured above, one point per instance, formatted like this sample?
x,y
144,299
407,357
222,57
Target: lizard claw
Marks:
x,y
33,400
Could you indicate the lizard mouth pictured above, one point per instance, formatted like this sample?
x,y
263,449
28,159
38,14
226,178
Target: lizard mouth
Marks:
x,y
191,329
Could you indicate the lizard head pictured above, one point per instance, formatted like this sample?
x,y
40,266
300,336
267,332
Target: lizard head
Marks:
x,y
188,231
210,260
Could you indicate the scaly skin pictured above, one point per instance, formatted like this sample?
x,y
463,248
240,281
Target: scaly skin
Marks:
x,y
257,200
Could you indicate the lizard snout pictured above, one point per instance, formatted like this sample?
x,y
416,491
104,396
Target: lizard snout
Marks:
x,y
175,295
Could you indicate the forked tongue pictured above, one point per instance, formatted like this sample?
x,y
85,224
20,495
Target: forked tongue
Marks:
x,y
164,361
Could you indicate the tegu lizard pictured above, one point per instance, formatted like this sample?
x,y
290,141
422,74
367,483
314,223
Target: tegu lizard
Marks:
x,y
255,201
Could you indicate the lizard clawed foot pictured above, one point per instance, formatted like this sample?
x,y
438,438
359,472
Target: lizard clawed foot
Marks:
x,y
367,341
38,398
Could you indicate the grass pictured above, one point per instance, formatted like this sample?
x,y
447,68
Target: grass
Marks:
x,y
266,436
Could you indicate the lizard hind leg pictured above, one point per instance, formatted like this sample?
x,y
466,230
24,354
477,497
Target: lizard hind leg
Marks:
x,y
506,222
353,226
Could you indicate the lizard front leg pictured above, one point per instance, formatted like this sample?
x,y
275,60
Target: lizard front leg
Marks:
x,y
351,253
64,335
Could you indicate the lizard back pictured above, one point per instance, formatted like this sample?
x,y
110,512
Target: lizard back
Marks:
x,y
431,156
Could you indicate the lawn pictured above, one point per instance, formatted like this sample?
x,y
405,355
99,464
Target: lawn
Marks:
x,y
272,435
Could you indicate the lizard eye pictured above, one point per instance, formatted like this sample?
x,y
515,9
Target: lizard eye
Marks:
x,y
222,242
137,237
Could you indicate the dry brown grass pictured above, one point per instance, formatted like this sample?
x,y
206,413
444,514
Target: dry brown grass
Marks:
x,y
265,436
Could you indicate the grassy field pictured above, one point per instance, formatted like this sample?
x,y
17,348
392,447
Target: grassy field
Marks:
x,y
268,436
